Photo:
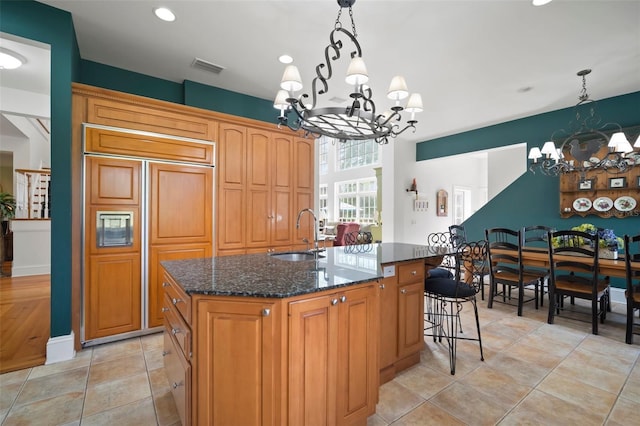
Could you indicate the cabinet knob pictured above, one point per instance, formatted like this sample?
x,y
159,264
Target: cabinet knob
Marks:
x,y
164,284
382,286
403,291
414,272
165,353
165,309
334,301
266,312
176,301
175,384
343,299
175,331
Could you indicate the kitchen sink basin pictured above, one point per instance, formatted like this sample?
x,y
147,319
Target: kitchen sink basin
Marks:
x,y
295,256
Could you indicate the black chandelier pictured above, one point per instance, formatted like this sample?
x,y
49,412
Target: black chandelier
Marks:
x,y
581,142
358,121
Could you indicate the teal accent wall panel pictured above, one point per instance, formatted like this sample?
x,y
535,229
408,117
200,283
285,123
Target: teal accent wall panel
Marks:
x,y
221,100
36,21
108,77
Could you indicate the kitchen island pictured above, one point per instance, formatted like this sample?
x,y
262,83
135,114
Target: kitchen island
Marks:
x,y
258,340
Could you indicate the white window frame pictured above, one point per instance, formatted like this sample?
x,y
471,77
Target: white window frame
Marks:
x,y
367,154
358,199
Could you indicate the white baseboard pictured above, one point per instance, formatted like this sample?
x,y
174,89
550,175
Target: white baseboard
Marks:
x,y
23,271
60,348
617,295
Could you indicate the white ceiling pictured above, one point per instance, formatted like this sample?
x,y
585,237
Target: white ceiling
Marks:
x,y
476,62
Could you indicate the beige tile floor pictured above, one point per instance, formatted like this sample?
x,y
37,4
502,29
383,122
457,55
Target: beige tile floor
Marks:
x,y
533,373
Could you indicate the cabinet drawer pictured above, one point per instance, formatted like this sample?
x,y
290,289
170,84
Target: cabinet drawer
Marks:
x,y
178,372
175,325
177,297
410,272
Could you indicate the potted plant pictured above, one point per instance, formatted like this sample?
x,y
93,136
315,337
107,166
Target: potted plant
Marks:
x,y
7,208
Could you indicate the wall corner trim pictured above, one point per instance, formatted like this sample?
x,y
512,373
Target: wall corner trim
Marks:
x,y
60,348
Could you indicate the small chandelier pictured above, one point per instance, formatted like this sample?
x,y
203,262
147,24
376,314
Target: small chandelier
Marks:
x,y
358,121
586,137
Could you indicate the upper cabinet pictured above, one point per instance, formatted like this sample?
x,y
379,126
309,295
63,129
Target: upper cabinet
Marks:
x,y
265,178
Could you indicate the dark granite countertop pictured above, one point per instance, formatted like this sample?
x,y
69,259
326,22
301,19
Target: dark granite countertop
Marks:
x,y
262,275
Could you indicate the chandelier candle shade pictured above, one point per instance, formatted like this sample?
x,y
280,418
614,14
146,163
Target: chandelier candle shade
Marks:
x,y
358,121
586,137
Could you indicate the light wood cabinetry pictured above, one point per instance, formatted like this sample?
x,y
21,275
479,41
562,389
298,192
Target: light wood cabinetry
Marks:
x,y
401,318
180,225
265,179
112,295
236,362
230,208
250,361
269,189
332,355
177,352
304,187
177,203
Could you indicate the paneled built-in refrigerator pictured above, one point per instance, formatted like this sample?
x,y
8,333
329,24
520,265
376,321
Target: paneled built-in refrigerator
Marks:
x,y
148,198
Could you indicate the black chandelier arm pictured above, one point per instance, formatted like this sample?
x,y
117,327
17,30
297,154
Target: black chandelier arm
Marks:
x,y
335,46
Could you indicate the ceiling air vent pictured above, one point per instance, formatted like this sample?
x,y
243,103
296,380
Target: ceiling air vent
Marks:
x,y
207,66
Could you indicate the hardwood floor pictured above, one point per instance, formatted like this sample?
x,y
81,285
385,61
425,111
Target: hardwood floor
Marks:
x,y
25,321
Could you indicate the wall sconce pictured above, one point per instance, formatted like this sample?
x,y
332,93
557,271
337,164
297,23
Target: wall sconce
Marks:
x,y
414,187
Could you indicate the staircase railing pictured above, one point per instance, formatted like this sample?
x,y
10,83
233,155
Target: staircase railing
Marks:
x,y
33,194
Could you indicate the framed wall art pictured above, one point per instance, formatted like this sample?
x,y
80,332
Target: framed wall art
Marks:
x,y
618,182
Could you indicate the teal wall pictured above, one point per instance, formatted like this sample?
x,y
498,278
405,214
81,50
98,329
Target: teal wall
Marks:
x,y
52,26
535,195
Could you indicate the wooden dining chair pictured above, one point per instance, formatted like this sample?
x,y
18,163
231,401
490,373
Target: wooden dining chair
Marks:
x,y
536,236
506,270
445,298
573,262
632,269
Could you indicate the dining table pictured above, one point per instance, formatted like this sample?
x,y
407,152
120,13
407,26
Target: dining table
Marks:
x,y
539,257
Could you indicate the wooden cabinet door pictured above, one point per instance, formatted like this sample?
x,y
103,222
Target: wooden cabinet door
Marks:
x,y
235,363
282,222
313,361
410,318
112,295
231,172
112,275
180,204
180,222
178,372
259,213
161,253
357,364
388,325
269,189
303,186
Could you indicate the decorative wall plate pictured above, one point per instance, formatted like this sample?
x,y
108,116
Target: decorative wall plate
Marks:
x,y
603,204
582,204
624,204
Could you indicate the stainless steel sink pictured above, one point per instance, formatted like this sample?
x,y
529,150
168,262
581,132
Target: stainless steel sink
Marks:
x,y
295,256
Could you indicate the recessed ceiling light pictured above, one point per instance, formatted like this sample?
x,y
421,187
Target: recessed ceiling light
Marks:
x,y
540,2
165,14
10,60
285,59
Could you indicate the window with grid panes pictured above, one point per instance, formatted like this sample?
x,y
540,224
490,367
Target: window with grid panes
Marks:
x,y
356,200
323,155
323,195
352,154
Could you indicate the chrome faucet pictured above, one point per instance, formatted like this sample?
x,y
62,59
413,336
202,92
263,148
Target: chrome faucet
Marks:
x,y
315,228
